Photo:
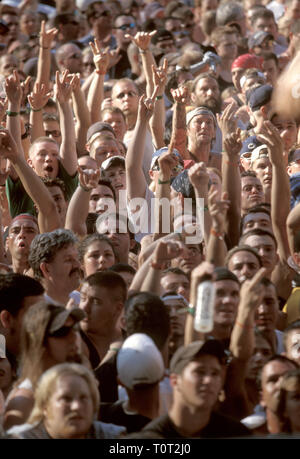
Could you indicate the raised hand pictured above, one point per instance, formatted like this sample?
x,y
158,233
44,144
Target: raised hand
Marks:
x,y
160,75
142,39
252,290
64,86
270,136
165,251
88,178
181,95
13,88
198,175
218,209
227,120
101,58
167,162
47,36
202,272
39,96
146,105
232,144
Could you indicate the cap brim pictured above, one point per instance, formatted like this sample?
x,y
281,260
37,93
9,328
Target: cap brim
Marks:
x,y
59,321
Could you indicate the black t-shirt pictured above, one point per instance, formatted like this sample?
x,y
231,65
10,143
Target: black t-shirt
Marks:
x,y
106,374
219,426
113,413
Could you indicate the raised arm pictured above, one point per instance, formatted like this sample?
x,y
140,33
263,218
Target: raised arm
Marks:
x,y
82,115
216,248
135,179
280,192
47,213
67,152
231,180
167,161
199,178
142,41
96,92
158,120
78,208
181,98
37,100
44,60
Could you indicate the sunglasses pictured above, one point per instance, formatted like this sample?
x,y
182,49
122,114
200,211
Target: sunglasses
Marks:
x,y
126,26
64,331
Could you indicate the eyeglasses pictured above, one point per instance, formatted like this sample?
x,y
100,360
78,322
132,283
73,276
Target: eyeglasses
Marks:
x,y
53,133
74,56
126,26
99,15
128,93
64,331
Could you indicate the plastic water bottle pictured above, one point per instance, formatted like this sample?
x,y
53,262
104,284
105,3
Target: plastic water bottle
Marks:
x,y
204,316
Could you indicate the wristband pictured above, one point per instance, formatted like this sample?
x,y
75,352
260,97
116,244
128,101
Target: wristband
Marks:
x,y
163,182
143,51
216,234
205,208
113,349
179,235
159,97
25,135
99,72
9,113
84,189
191,311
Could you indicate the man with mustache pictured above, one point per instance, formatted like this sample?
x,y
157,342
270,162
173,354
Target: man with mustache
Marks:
x,y
53,258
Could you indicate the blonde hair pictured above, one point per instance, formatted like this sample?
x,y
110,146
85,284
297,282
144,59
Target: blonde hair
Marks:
x,y
47,384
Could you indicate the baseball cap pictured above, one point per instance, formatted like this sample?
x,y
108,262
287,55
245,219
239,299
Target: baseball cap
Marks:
x,y
112,161
250,144
97,128
259,152
159,152
186,354
59,316
139,361
260,96
247,61
200,111
258,37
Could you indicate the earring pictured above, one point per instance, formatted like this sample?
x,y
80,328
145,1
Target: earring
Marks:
x,y
222,396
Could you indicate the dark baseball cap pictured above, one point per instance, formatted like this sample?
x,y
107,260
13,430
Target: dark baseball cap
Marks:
x,y
260,96
186,354
250,144
98,128
59,316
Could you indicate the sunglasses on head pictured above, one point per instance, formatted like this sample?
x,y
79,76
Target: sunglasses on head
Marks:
x,y
126,26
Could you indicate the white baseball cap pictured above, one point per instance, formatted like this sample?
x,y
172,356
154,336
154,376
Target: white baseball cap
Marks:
x,y
139,361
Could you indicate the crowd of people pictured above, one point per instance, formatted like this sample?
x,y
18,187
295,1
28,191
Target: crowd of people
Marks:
x,y
147,147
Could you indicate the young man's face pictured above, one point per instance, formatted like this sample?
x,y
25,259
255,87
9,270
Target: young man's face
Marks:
x,y
101,199
266,248
117,122
117,176
252,192
288,130
60,201
104,149
43,159
266,314
125,97
263,169
200,383
262,352
292,345
52,130
227,49
226,302
267,25
179,283
257,220
244,265
270,71
271,377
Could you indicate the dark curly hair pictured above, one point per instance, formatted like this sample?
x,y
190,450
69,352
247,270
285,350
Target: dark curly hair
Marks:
x,y
45,246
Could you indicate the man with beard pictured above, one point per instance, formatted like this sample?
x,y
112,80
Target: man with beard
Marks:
x,y
53,258
206,93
